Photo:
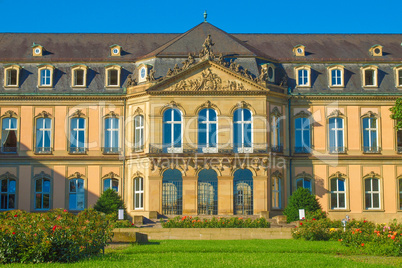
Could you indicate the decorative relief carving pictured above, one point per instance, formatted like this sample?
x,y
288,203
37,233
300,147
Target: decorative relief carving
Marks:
x,y
78,113
338,174
151,75
138,111
112,114
208,82
372,174
44,114
277,174
335,113
370,114
304,175
206,52
131,81
276,112
8,175
41,175
138,174
303,113
284,81
110,175
76,175
10,113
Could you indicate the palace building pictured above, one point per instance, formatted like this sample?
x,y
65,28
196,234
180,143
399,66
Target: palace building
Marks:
x,y
201,123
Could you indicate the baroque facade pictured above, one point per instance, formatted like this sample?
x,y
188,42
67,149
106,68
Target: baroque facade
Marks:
x,y
201,123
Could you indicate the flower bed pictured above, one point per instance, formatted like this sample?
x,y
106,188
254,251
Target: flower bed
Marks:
x,y
55,236
190,222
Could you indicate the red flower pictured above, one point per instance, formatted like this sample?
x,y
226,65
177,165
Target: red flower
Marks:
x,y
301,223
393,237
364,221
313,219
303,218
362,244
65,210
183,218
15,216
54,227
13,232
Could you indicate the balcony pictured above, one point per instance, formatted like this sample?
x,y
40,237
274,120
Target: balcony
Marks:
x,y
302,150
8,150
111,150
78,150
337,150
371,150
43,150
137,148
225,148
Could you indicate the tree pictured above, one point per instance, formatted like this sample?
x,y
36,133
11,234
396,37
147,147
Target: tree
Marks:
x,y
301,199
396,113
109,203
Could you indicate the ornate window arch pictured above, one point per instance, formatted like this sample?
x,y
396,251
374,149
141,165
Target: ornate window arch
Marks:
x,y
111,181
372,191
44,133
336,132
305,180
338,191
370,132
43,191
76,191
9,132
8,191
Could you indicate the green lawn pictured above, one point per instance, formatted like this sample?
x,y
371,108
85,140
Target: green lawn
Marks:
x,y
238,253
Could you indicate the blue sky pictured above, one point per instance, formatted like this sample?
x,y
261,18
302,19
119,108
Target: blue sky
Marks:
x,y
286,16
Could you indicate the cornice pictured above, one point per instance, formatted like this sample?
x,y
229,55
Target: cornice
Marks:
x,y
346,97
61,97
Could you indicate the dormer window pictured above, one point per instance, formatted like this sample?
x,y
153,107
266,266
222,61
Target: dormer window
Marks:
x,y
143,72
303,76
369,76
376,51
270,71
37,50
299,50
45,75
112,78
115,50
335,75
398,76
11,75
79,76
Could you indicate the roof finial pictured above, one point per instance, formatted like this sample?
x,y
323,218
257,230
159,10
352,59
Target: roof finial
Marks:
x,y
205,16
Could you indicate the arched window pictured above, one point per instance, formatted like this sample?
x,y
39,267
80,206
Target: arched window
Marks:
x,y
111,135
304,182
207,192
242,131
138,133
76,196
336,135
172,131
207,131
77,135
372,198
276,192
243,192
138,193
338,193
111,183
42,193
172,193
370,134
7,192
9,135
43,135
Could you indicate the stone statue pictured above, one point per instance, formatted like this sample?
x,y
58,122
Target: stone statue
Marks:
x,y
130,82
284,81
169,73
151,76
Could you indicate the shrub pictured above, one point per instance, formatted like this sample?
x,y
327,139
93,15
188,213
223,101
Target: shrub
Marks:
x,y
190,222
55,236
317,229
301,199
109,203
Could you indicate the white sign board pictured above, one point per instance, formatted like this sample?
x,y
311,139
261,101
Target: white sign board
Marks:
x,y
302,214
121,214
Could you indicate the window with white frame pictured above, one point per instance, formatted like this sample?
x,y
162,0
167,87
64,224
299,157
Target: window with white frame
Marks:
x,y
112,78
76,196
111,183
172,131
207,131
302,135
336,74
138,133
9,135
372,197
7,193
370,76
336,135
79,76
370,135
42,194
43,135
11,75
138,193
45,75
276,192
338,193
77,135
243,131
303,76
398,76
111,142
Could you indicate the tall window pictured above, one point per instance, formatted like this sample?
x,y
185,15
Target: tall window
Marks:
x,y
369,78
370,135
76,195
77,135
207,131
304,183
172,192
172,131
372,193
276,141
139,193
111,135
336,136
302,135
45,79
336,77
9,135
138,133
7,193
79,77
113,78
399,78
338,193
42,194
43,135
242,131
303,77
11,77
243,192
111,184
207,192
276,192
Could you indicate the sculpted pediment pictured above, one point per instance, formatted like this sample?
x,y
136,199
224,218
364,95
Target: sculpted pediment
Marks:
x,y
207,76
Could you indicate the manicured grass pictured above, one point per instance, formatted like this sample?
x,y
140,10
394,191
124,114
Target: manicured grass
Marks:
x,y
237,253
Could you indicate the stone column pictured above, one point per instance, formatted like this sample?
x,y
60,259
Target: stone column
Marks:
x,y
260,188
225,195
189,195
